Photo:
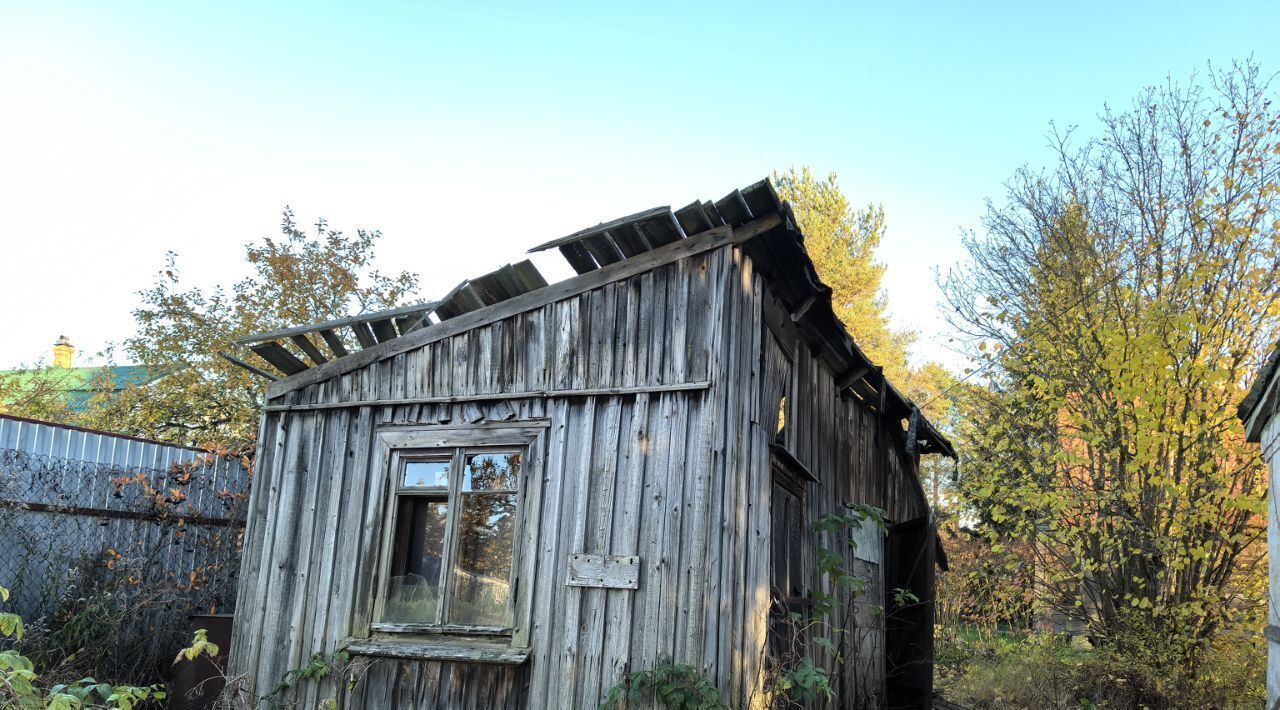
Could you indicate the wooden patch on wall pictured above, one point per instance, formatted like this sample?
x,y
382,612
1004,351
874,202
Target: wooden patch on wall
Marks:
x,y
608,571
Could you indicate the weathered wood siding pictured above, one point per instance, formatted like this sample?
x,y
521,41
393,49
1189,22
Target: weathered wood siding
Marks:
x,y
624,475
680,479
856,455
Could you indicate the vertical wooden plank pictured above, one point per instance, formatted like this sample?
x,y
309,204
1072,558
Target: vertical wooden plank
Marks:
x,y
604,455
278,581
294,605
755,558
330,534
627,504
574,532
527,563
550,571
258,540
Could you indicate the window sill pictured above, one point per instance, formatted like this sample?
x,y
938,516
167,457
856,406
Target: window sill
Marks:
x,y
439,651
463,629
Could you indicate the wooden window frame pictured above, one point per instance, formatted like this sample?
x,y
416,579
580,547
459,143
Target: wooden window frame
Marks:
x,y
787,473
398,445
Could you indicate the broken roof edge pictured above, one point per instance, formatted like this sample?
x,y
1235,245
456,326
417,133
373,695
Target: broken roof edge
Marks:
x,y
424,306
816,303
1253,400
743,215
574,285
650,213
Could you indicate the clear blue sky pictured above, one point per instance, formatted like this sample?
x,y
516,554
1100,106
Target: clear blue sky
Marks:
x,y
467,133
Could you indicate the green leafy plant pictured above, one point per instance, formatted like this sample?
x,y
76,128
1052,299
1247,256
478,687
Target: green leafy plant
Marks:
x,y
318,667
20,683
201,645
904,597
793,679
806,682
676,687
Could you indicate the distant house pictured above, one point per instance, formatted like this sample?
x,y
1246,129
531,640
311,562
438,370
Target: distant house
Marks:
x,y
1260,412
78,384
514,496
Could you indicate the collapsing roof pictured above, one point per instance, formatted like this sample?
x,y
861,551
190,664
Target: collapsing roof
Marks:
x,y
776,246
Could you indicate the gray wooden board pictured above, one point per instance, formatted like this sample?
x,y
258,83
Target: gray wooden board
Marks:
x,y
604,571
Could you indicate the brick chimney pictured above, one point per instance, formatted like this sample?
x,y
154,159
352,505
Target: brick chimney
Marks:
x,y
63,350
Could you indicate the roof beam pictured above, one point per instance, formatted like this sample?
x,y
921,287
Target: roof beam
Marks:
x,y
305,345
276,355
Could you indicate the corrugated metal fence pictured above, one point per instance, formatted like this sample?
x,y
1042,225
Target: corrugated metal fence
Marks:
x,y
84,511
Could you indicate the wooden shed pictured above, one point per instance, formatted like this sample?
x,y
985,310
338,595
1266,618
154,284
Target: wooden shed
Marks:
x,y
515,495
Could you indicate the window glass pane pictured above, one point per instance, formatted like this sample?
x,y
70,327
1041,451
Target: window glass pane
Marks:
x,y
482,572
491,472
413,591
426,474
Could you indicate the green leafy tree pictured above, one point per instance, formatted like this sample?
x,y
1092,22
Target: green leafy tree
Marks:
x,y
36,392
199,397
1119,302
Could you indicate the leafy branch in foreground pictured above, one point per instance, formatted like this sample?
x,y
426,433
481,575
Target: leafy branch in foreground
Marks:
x,y
676,687
20,683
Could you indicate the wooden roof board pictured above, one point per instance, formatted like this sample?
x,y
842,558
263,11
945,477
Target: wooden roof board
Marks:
x,y
383,329
693,219
761,197
629,240
489,289
305,345
578,257
1256,407
364,335
336,346
462,299
426,306
602,249
278,357
602,227
528,275
511,283
661,230
733,208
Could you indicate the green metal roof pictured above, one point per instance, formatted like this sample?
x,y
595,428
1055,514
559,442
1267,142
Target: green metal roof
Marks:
x,y
81,383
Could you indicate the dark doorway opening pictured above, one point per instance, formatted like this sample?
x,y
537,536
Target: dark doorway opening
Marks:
x,y
909,577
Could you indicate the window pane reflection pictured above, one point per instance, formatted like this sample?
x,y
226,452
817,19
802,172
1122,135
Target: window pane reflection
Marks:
x,y
491,472
482,573
426,474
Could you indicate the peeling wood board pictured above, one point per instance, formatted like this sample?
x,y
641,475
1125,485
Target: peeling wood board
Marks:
x,y
606,571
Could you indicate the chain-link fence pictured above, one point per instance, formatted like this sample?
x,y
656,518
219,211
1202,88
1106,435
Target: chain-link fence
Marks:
x,y
105,562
